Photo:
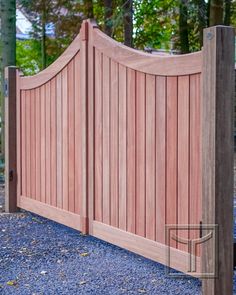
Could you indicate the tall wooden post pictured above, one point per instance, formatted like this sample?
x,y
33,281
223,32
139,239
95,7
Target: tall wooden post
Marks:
x,y
217,156
10,139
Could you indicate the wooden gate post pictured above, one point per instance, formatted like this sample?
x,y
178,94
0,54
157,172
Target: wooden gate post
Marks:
x,y
217,156
10,139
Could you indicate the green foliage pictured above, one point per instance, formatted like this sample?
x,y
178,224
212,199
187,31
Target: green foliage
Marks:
x,y
155,23
28,56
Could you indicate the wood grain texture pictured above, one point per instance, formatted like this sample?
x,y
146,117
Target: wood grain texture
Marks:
x,y
98,194
150,157
114,153
71,136
59,120
122,148
106,140
61,216
131,150
141,155
217,154
43,144
161,155
48,141
195,190
78,138
65,131
38,144
183,157
148,63
53,156
172,152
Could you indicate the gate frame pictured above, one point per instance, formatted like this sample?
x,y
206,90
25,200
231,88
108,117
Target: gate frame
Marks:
x,y
217,144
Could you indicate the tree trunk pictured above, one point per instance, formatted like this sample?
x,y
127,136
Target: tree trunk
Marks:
x,y
183,27
108,17
227,16
216,12
128,23
202,18
89,8
7,48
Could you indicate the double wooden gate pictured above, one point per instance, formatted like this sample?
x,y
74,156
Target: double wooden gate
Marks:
x,y
110,142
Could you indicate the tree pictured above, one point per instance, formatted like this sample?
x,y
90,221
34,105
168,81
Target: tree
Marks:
x,y
128,22
108,17
7,47
227,15
216,12
183,26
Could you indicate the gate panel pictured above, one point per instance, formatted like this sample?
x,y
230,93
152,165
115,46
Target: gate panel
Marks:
x,y
52,123
145,133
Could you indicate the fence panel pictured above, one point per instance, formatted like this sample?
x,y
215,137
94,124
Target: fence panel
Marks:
x,y
51,120
147,147
109,140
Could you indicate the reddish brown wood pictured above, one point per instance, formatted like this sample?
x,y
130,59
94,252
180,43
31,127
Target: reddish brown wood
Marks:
x,y
106,140
48,142
161,155
71,137
140,155
122,148
171,152
78,141
53,156
38,144
43,144
111,138
114,108
98,204
183,157
131,150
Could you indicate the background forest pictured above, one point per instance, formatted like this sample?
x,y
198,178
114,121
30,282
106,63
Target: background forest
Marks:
x,y
175,26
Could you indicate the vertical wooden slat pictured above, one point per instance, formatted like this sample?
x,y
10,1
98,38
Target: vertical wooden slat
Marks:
x,y
33,144
28,147
48,142
91,126
59,121
43,143
150,157
217,150
140,155
84,125
114,145
160,158
195,209
171,153
122,148
106,140
38,144
53,156
71,138
98,136
65,130
131,106
183,157
23,141
78,142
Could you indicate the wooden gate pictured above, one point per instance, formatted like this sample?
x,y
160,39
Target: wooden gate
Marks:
x,y
110,142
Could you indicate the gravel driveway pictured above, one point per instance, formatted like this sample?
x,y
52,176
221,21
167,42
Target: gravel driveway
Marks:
x,y
38,256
